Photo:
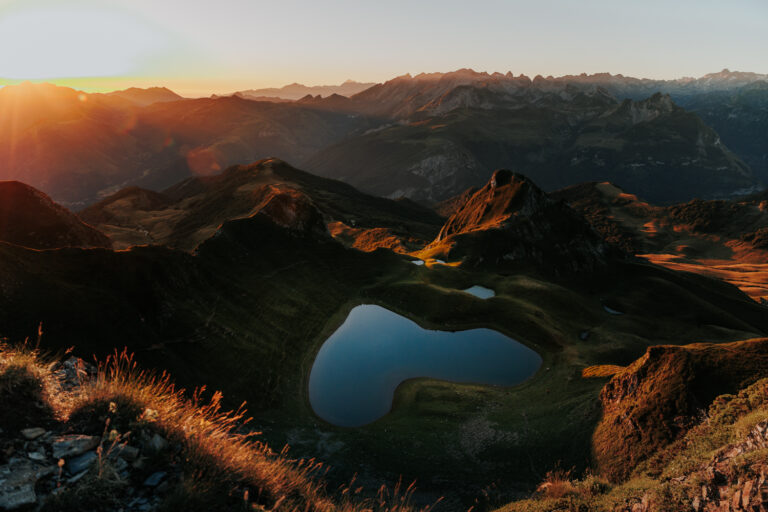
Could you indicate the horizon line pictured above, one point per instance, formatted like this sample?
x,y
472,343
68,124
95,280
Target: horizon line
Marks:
x,y
79,83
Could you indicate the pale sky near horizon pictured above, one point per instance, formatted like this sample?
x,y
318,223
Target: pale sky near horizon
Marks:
x,y
198,47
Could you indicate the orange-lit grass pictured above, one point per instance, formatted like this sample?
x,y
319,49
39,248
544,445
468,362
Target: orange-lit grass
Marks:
x,y
222,460
216,446
366,239
600,370
25,370
751,278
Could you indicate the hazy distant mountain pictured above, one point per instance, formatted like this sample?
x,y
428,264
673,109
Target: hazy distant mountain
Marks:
x,y
407,95
297,91
78,147
740,117
457,133
425,136
147,96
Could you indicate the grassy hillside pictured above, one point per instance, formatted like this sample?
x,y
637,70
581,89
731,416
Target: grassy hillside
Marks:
x,y
133,426
190,212
719,464
247,310
720,239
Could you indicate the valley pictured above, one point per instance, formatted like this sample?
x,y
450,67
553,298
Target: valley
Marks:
x,y
520,294
242,301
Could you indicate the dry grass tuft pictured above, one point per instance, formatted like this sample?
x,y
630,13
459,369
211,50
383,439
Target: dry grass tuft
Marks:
x,y
223,465
28,389
557,484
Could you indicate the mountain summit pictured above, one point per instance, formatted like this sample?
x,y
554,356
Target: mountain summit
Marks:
x,y
511,222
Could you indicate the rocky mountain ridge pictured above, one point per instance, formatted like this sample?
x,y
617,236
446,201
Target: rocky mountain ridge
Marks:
x,y
512,222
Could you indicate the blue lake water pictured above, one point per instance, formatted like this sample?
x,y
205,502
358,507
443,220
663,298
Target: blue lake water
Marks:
x,y
480,291
358,368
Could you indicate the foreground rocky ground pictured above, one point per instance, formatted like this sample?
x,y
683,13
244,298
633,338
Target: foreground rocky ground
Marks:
x,y
44,465
76,437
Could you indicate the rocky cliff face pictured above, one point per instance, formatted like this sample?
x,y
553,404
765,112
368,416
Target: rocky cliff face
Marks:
x,y
656,399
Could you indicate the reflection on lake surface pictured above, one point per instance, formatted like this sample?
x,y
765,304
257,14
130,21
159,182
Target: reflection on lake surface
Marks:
x,y
357,369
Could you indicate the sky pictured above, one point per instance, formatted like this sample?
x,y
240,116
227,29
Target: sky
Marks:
x,y
199,47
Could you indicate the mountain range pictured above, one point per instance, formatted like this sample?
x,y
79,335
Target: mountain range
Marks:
x,y
427,137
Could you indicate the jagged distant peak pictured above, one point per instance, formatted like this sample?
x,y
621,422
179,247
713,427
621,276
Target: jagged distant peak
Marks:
x,y
731,75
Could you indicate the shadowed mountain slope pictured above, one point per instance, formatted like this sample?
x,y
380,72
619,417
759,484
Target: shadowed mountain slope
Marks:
x,y
653,147
189,212
31,219
80,147
511,222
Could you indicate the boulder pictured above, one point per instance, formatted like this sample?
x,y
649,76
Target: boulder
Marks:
x,y
73,444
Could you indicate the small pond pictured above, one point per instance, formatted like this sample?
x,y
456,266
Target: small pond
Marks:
x,y
358,368
480,291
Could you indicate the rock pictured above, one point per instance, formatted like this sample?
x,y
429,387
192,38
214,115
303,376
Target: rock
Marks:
x,y
736,500
154,479
81,463
745,493
32,433
129,453
17,484
157,443
73,444
77,477
120,464
37,456
583,335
